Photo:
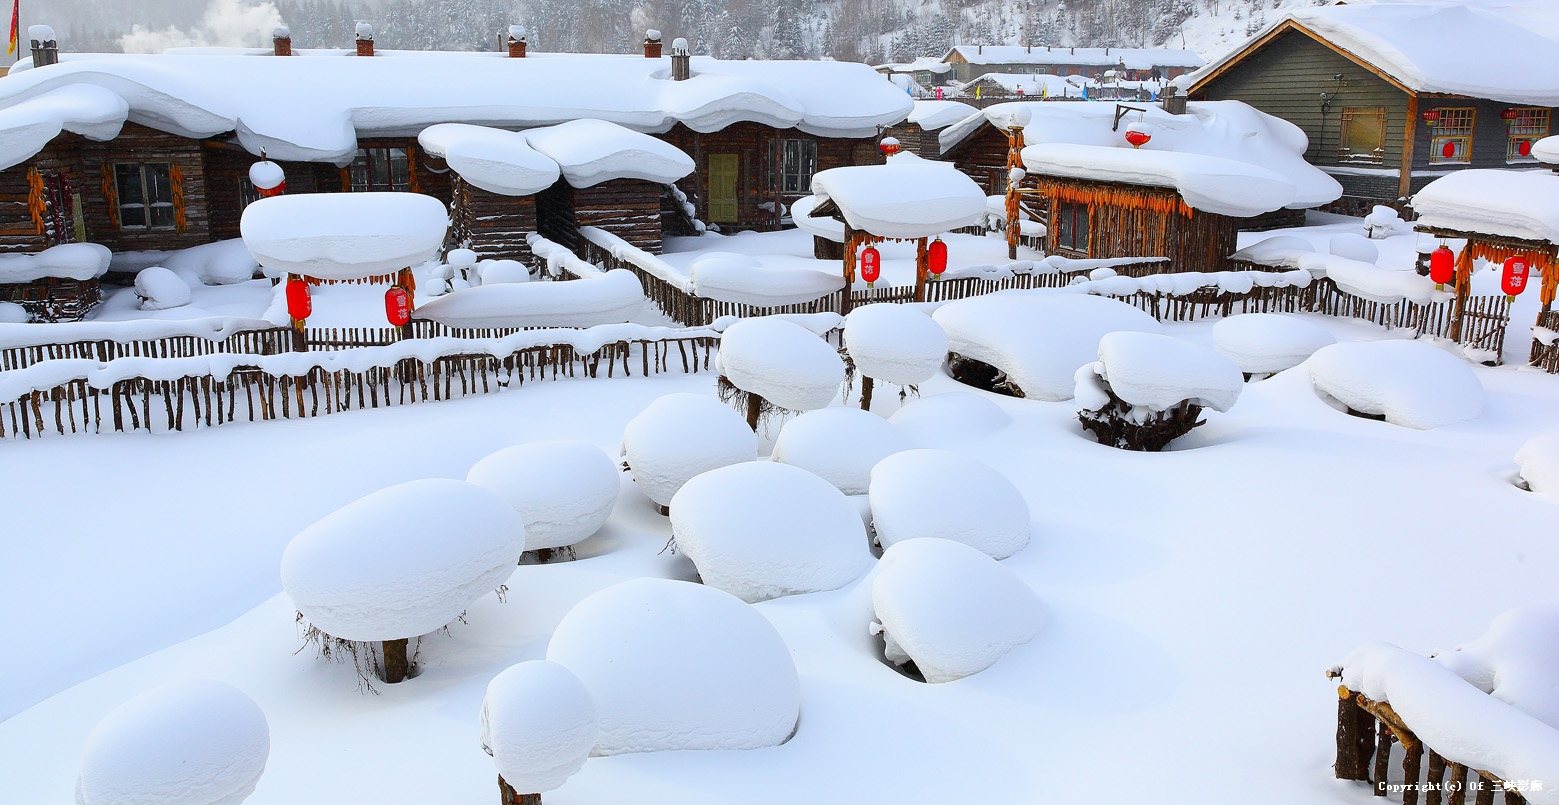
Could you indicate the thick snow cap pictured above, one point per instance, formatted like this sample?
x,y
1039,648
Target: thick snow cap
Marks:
x,y
909,197
343,236
1208,183
730,277
564,490
681,435
937,115
403,561
839,445
29,125
1514,204
894,344
1268,342
823,227
1515,661
593,151
939,493
675,665
495,160
161,289
950,419
761,530
1411,383
1159,372
1539,463
950,608
77,261
539,724
198,742
782,362
611,298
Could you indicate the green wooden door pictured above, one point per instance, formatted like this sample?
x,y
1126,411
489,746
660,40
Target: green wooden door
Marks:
x,y
722,188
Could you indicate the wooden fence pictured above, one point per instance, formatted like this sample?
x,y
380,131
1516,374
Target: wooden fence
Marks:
x,y
257,342
1546,356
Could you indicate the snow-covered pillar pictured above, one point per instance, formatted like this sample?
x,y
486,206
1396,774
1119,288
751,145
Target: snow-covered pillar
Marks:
x,y
652,44
516,41
681,60
365,39
45,49
281,41
1172,101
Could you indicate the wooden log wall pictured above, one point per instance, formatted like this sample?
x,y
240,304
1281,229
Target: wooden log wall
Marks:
x,y
137,143
983,156
555,219
54,298
1133,221
627,208
226,169
19,229
490,224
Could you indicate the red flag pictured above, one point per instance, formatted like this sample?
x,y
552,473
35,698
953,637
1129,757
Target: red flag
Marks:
x,y
16,19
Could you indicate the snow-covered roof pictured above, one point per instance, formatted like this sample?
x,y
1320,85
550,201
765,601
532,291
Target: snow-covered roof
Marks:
x,y
593,151
26,127
494,160
929,63
1135,58
1515,204
315,106
909,197
1036,83
933,115
1450,48
1212,184
1546,150
77,261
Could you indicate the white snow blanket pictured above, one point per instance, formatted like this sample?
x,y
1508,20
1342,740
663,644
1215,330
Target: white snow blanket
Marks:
x,y
940,493
1369,281
1509,203
12,313
839,445
1268,342
909,197
403,561
214,328
1515,661
936,115
1038,340
1462,723
1539,463
77,261
1411,383
674,665
950,419
343,236
499,272
760,530
495,160
564,491
730,277
539,723
194,741
1278,250
1207,183
1158,372
27,126
823,227
613,297
1132,58
1546,150
590,152
1353,246
161,289
679,436
781,362
894,344
950,608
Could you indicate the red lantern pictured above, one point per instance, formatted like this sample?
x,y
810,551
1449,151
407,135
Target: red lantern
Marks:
x,y
273,191
1514,280
1431,116
1137,138
1509,115
1442,266
1449,149
936,257
889,146
871,265
299,305
1524,148
397,306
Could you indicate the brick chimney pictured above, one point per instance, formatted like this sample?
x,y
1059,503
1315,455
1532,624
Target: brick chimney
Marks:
x,y
45,50
281,41
652,44
365,39
681,60
516,41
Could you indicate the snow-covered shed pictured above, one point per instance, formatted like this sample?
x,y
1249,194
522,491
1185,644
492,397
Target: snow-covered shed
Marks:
x,y
928,71
972,61
57,284
918,133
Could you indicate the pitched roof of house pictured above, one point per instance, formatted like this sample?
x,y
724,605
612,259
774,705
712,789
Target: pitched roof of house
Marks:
x,y
1135,58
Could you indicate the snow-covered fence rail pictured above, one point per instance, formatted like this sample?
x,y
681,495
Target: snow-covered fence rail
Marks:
x,y
1545,341
22,345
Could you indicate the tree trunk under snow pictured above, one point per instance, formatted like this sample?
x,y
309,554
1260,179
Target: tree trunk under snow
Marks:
x,y
510,797
866,394
1120,424
397,665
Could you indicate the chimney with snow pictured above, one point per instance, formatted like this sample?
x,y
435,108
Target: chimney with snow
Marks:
x,y
45,50
281,41
652,44
681,60
1171,100
365,39
516,41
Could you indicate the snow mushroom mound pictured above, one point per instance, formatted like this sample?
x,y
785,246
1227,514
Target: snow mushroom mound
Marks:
x,y
1158,372
782,362
403,561
950,608
563,490
894,344
949,418
161,289
679,436
839,445
191,743
539,724
676,665
761,530
1539,462
938,493
1409,383
1262,343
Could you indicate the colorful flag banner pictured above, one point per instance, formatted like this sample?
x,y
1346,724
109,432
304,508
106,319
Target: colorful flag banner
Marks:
x,y
16,19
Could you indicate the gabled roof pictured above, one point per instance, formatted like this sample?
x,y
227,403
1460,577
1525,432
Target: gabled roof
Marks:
x,y
1135,58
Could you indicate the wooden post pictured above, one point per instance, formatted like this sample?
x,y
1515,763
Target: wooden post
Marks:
x,y
1458,784
754,408
1409,141
922,270
1412,764
406,280
1435,780
852,242
396,663
1355,738
508,796
1485,794
1014,160
1382,759
1463,285
866,393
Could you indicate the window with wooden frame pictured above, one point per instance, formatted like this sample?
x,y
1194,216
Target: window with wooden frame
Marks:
x,y
998,181
247,193
1528,124
1363,137
380,169
1450,138
794,161
1071,227
144,192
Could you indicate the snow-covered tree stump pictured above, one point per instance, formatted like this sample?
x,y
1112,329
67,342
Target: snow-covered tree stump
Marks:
x,y
1146,390
1120,424
769,364
894,344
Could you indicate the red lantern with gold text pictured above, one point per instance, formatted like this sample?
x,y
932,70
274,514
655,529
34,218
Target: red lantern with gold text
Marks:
x,y
1514,279
871,265
1431,116
936,257
397,306
889,146
1137,137
1442,266
299,305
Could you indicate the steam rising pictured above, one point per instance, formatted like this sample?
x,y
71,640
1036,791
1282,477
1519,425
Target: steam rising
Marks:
x,y
226,23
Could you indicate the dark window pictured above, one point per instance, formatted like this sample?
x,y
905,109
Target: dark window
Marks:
x,y
1363,134
1072,227
1450,138
794,165
998,183
145,195
247,194
380,169
1527,126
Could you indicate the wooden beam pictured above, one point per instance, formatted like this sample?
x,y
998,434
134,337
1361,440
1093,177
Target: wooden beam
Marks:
x,y
1409,141
922,269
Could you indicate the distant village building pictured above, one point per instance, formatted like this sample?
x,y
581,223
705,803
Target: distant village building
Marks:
x,y
1137,64
927,71
1392,96
918,134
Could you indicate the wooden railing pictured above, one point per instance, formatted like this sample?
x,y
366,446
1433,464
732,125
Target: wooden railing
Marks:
x,y
1546,356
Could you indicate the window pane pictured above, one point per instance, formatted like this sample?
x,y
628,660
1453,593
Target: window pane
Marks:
x,y
808,160
1363,132
400,173
158,186
128,179
358,170
162,214
1082,228
1064,216
378,169
132,216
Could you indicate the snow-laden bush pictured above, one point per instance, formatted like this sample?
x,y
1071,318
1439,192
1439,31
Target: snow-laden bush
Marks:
x,y
1407,383
679,436
951,609
675,665
839,445
1539,463
1383,222
1263,343
1353,246
949,419
189,743
402,562
565,491
1148,389
1515,661
161,289
12,313
939,493
498,272
761,530
893,344
539,724
780,363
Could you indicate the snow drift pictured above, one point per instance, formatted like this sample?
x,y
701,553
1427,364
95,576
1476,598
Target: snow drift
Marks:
x,y
539,724
839,445
939,493
782,362
1410,383
679,436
